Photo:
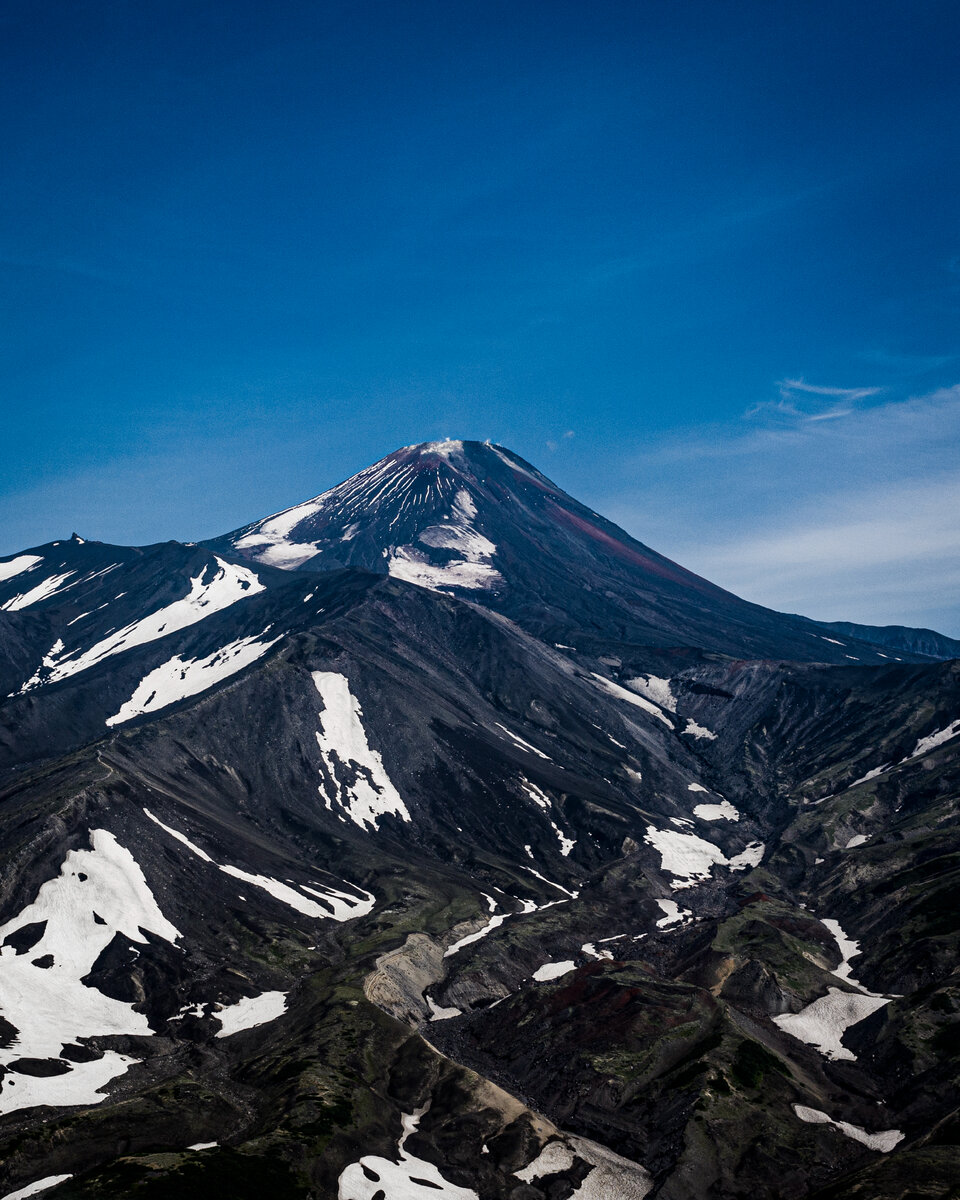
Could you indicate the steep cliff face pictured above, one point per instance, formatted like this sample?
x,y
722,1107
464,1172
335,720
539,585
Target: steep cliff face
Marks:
x,y
436,838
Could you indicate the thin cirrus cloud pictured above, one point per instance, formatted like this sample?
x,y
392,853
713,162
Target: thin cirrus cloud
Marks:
x,y
850,518
790,387
813,402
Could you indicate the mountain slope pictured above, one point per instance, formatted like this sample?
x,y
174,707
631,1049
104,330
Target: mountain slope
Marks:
x,y
476,520
899,638
333,884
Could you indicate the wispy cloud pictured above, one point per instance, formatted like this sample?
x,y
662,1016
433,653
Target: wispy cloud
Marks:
x,y
812,402
553,444
852,517
790,387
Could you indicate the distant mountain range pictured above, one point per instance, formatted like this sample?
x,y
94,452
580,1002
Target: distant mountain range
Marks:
x,y
435,838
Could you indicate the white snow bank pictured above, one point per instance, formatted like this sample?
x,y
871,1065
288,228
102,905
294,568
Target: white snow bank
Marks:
x,y
655,689
99,893
690,858
555,1156
867,777
699,731
39,1185
412,566
409,1178
543,802
932,740
249,1012
684,855
282,892
673,914
515,737
271,540
472,568
824,1022
177,679
696,787
553,970
611,1178
343,744
751,857
858,839
724,811
591,951
226,585
494,923
884,1141
438,1013
42,591
622,693
16,566
848,949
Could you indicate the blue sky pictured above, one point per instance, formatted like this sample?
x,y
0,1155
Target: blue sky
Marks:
x,y
699,262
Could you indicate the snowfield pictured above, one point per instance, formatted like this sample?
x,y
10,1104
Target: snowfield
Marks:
x,y
176,679
99,893
250,1012
209,593
343,743
884,1142
690,858
409,1178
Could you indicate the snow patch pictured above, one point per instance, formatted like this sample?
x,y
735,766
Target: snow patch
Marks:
x,y
699,731
622,693
690,858
751,857
884,1141
858,839
724,811
494,923
591,951
228,584
336,906
413,566
673,914
250,1012
43,591
39,1185
684,855
16,566
542,801
364,791
437,1013
50,1007
554,1157
553,970
514,737
932,740
823,1022
611,1177
177,679
270,539
409,1178
654,688
869,775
